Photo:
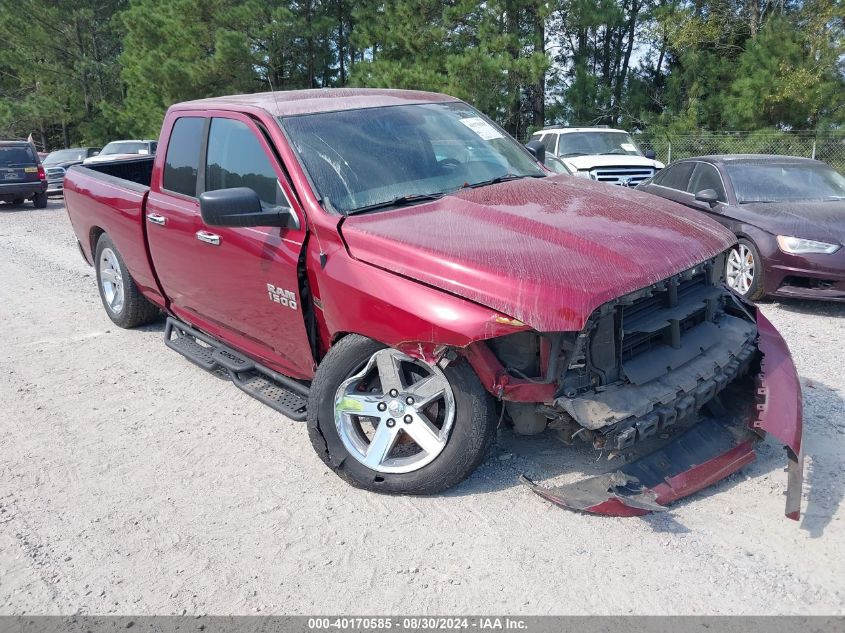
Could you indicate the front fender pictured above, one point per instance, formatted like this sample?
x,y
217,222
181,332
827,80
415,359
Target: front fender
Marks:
x,y
355,297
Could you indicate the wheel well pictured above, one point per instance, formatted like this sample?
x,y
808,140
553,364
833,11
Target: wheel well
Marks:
x,y
93,238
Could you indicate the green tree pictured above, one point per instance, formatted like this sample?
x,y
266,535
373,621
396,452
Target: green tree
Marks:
x,y
490,54
59,69
790,77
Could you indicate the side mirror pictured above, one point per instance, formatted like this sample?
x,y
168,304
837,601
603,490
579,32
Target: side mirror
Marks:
x,y
241,206
537,150
650,154
707,195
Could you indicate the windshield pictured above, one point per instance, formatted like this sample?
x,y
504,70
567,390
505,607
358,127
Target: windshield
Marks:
x,y
13,155
379,157
782,182
64,156
596,142
126,147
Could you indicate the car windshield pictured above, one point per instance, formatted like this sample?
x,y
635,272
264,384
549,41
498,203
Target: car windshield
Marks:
x,y
785,182
395,155
64,156
125,147
597,142
13,155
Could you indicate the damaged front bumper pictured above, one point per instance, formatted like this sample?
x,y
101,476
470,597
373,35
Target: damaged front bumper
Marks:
x,y
714,448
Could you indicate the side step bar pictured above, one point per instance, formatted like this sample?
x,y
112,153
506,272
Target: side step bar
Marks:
x,y
278,392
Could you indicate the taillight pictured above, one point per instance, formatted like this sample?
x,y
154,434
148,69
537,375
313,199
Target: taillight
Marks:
x,y
41,174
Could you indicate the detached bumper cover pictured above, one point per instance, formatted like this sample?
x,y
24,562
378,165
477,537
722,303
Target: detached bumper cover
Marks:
x,y
706,453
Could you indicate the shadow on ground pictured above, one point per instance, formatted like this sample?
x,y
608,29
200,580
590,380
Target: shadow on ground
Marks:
x,y
814,308
54,204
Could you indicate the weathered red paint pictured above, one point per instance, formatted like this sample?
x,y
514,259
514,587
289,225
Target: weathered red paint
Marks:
x,y
781,413
706,474
781,410
545,252
497,381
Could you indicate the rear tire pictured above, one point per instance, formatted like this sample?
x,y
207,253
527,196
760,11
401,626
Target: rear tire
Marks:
x,y
465,440
122,300
40,201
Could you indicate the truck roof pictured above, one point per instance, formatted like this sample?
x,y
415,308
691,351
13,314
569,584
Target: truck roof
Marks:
x,y
294,102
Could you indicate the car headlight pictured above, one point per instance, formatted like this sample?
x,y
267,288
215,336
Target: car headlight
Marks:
x,y
799,246
582,174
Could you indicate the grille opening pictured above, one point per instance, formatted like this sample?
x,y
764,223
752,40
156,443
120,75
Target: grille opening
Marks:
x,y
634,343
640,342
617,175
807,282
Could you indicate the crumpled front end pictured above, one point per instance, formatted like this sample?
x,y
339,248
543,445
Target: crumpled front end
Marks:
x,y
681,379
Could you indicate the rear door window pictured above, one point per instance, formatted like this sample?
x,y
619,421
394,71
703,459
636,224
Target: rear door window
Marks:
x,y
183,156
675,176
236,158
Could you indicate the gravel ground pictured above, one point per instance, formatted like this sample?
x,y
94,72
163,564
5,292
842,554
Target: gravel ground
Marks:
x,y
132,482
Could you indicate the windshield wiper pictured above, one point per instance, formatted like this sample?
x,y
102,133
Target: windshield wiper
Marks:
x,y
503,178
616,151
401,201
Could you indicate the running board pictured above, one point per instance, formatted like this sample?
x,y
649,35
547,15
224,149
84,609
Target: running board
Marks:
x,y
283,394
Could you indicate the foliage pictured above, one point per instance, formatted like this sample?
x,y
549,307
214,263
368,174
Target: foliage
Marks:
x,y
88,71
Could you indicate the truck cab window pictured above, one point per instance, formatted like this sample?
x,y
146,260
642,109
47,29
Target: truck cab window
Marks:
x,y
183,156
236,158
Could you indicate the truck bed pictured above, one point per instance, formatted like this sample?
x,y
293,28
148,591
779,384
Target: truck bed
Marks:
x,y
111,197
137,171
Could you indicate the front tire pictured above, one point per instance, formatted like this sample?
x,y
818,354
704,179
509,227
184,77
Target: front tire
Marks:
x,y
744,270
124,303
386,422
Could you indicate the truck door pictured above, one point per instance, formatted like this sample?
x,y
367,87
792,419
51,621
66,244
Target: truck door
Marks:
x,y
240,285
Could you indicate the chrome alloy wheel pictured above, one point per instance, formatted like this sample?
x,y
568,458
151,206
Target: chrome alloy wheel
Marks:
x,y
395,415
111,280
739,268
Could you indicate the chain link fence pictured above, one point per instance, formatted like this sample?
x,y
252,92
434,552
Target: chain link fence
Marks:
x,y
829,147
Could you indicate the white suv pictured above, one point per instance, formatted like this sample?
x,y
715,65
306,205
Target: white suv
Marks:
x,y
603,154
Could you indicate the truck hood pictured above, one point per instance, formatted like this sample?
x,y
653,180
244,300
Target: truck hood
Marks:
x,y
546,252
591,161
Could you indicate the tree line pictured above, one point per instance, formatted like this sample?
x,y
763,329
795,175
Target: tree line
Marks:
x,y
88,71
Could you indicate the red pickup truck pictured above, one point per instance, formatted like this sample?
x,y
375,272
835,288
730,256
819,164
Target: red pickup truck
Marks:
x,y
397,270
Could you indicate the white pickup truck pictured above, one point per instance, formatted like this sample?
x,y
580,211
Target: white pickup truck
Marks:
x,y
598,153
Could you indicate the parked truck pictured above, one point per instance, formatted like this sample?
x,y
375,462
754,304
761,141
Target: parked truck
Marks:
x,y
395,269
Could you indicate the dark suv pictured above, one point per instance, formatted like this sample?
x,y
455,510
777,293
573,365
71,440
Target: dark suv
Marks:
x,y
22,175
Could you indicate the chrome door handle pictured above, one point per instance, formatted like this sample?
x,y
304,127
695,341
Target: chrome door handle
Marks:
x,y
208,238
155,218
